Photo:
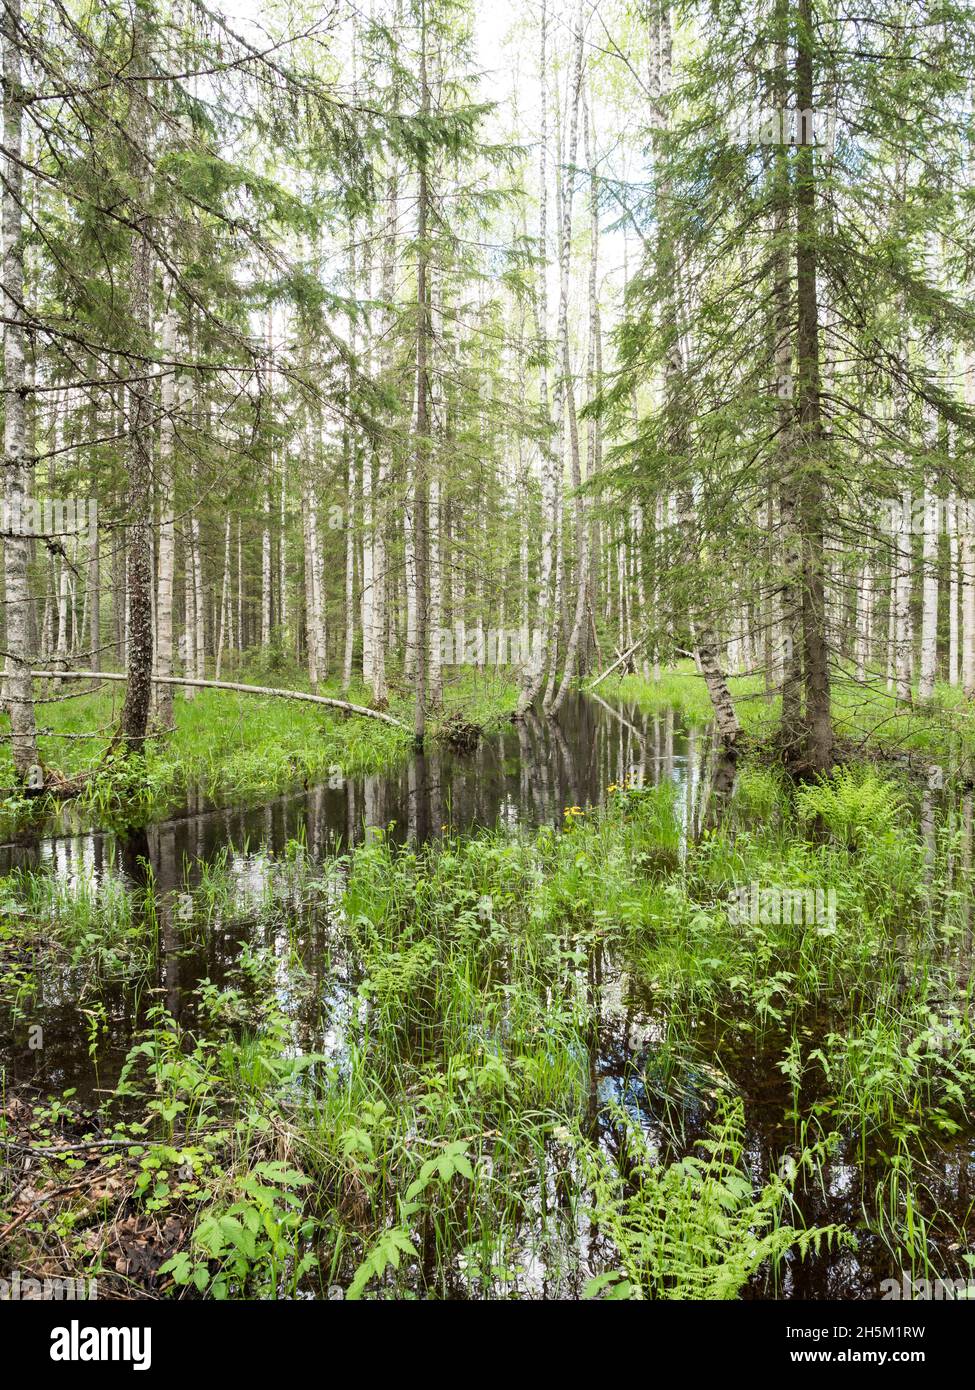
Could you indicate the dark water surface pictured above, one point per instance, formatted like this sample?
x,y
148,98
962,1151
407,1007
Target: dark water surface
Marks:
x,y
525,776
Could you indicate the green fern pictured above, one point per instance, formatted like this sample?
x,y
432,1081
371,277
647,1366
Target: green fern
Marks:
x,y
854,805
695,1229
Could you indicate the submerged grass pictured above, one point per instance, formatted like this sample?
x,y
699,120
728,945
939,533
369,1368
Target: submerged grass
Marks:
x,y
443,1128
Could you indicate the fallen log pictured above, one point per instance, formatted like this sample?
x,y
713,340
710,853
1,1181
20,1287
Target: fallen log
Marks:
x,y
361,710
618,662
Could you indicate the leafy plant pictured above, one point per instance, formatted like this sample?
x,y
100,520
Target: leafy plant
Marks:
x,y
254,1241
853,804
695,1229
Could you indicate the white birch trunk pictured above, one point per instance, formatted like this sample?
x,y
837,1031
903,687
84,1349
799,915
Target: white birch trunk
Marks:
x,y
189,610
16,549
224,600
166,565
199,602
904,639
929,597
541,653
967,557
953,591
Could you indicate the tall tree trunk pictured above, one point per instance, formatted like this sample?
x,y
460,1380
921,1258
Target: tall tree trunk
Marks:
x,y
572,654
903,635
94,598
929,597
437,408
351,480
309,508
381,507
967,559
199,602
422,441
409,568
266,566
224,600
702,636
64,585
810,491
932,508
380,693
864,619
189,610
266,555
16,549
317,655
789,657
240,587
349,560
283,550
368,567
534,676
565,390
138,690
367,466
167,521
953,590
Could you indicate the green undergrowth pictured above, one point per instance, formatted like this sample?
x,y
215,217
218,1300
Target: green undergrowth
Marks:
x,y
230,748
867,720
439,1130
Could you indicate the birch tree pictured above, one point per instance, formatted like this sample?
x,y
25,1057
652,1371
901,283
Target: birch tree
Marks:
x,y
16,547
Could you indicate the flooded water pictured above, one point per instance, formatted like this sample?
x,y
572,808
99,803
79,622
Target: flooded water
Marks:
x,y
525,776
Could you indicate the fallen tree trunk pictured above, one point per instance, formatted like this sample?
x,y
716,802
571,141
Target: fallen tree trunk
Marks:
x,y
618,662
267,690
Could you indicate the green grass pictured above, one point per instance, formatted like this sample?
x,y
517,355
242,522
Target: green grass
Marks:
x,y
865,716
683,690
233,748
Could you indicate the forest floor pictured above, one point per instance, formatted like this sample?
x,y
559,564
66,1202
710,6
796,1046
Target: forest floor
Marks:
x,y
232,748
520,1063
553,1064
867,720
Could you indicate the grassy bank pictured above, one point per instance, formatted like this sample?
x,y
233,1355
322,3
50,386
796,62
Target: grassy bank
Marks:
x,y
231,747
546,1063
867,719
240,748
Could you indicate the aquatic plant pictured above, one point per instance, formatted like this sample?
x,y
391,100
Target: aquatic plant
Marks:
x,y
695,1228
